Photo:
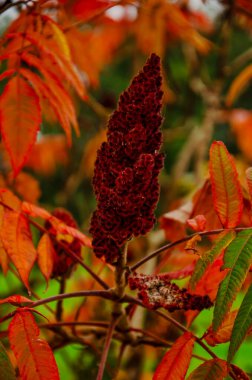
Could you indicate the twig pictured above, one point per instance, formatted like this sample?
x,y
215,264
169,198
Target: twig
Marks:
x,y
98,108
59,308
183,240
239,61
74,323
107,294
32,292
8,4
106,347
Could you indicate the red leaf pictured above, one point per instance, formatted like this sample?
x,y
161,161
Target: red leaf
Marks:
x,y
7,73
212,369
16,300
226,188
34,356
20,118
17,241
176,361
198,223
179,274
208,285
241,375
86,9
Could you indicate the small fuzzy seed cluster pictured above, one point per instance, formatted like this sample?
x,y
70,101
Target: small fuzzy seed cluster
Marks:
x,y
63,264
156,292
127,166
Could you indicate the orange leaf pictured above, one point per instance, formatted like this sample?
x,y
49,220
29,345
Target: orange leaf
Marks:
x,y
203,205
55,90
226,188
20,118
10,200
173,222
4,262
52,55
223,334
191,244
46,255
212,369
17,241
43,90
176,361
198,223
208,285
34,356
240,82
16,300
59,226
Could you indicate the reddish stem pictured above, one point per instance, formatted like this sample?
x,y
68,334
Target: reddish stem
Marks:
x,y
183,240
106,348
85,293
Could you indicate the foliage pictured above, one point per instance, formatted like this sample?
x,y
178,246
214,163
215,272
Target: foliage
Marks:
x,y
126,297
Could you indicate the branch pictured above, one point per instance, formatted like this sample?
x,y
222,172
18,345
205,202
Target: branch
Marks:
x,y
107,294
183,240
185,329
98,108
8,4
106,347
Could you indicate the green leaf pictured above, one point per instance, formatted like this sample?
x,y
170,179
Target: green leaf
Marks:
x,y
238,258
212,369
202,264
7,372
242,324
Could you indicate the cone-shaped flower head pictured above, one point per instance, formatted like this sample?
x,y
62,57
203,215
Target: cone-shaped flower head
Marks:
x,y
127,165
